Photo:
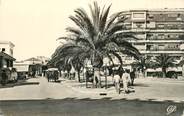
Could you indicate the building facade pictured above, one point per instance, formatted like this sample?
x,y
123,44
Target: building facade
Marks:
x,y
159,31
7,47
33,64
6,54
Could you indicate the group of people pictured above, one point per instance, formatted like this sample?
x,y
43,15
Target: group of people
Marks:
x,y
126,78
8,76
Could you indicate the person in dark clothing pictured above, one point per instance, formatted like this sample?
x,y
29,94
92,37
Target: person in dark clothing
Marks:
x,y
4,77
132,76
120,71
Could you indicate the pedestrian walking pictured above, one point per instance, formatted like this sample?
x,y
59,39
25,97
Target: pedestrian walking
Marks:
x,y
4,77
14,75
132,76
126,79
117,82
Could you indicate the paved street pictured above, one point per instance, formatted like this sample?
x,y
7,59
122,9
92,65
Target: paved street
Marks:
x,y
39,88
88,107
37,97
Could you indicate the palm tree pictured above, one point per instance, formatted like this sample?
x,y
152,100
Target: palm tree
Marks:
x,y
70,55
99,36
143,63
164,61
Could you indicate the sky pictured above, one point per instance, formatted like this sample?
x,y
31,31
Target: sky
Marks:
x,y
34,25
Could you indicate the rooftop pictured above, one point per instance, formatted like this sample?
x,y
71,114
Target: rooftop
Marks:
x,y
156,10
7,56
6,42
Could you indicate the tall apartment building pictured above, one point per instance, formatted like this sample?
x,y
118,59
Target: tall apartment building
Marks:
x,y
158,31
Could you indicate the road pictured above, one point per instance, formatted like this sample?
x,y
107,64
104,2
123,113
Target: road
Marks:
x,y
40,98
89,107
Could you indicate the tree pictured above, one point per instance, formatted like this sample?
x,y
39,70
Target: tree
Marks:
x,y
164,61
99,36
70,55
143,63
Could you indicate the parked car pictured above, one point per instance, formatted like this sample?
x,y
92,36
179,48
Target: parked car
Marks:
x,y
52,74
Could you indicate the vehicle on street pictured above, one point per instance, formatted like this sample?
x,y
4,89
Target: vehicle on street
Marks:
x,y
52,74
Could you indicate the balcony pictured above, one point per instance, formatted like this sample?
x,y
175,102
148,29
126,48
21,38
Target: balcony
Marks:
x,y
156,41
162,52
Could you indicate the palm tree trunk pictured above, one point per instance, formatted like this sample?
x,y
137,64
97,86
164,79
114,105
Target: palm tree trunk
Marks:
x,y
143,72
78,73
94,77
164,72
68,75
94,71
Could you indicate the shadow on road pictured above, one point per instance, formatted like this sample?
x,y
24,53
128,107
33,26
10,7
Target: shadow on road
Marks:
x,y
105,106
141,85
9,85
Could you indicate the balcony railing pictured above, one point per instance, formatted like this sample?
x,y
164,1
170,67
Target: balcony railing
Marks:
x,y
165,49
161,51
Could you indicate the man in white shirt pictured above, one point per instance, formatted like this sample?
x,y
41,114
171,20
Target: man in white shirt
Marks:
x,y
126,79
117,83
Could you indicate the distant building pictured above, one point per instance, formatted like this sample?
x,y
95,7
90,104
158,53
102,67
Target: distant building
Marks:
x,y
33,60
6,54
33,64
7,47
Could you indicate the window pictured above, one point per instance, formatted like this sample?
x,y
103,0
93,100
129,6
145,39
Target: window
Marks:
x,y
150,16
151,25
127,16
173,36
161,36
138,15
161,47
160,26
148,47
138,24
172,15
172,46
3,49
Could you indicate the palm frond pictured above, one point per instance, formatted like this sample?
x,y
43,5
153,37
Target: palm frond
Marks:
x,y
103,19
111,20
117,56
73,30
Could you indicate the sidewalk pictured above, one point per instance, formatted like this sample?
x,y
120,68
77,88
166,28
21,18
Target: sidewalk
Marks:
x,y
156,89
18,83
